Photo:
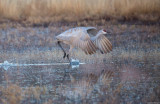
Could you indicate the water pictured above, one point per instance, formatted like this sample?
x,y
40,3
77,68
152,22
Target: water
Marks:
x,y
90,83
32,70
74,64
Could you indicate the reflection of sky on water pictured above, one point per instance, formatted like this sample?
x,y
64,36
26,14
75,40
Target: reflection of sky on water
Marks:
x,y
92,82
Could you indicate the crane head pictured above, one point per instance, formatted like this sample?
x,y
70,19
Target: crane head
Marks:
x,y
105,31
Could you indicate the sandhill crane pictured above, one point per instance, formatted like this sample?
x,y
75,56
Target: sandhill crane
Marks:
x,y
80,37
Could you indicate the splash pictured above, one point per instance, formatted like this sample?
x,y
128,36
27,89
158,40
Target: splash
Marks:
x,y
6,65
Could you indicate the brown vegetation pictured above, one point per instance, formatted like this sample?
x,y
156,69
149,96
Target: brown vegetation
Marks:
x,y
27,45
75,10
14,94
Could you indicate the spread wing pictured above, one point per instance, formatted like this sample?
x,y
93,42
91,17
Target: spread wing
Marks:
x,y
103,44
92,31
84,42
86,45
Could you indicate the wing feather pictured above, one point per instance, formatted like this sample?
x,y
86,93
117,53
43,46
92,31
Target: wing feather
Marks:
x,y
83,41
103,44
93,46
108,44
86,45
103,47
87,48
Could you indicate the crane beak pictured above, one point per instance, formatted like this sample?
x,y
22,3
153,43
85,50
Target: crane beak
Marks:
x,y
108,32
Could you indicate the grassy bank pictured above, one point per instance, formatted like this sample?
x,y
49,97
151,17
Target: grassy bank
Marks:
x,y
38,11
36,45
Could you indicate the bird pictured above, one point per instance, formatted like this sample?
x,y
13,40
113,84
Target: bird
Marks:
x,y
85,39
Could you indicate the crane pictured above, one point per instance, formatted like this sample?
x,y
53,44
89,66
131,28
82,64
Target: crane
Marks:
x,y
85,38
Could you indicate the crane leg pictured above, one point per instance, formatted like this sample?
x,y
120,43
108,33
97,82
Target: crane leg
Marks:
x,y
62,49
69,53
68,57
101,51
64,55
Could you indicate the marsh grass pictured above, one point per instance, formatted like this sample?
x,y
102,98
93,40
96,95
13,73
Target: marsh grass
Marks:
x,y
36,56
14,94
36,45
76,10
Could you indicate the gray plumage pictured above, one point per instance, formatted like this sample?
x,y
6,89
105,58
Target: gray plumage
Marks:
x,y
85,38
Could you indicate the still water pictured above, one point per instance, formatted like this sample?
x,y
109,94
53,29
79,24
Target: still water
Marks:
x,y
98,83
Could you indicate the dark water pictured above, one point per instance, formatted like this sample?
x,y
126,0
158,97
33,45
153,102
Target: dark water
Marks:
x,y
96,83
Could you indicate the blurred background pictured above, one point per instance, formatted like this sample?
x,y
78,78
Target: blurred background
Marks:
x,y
46,11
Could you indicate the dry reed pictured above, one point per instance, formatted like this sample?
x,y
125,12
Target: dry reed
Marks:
x,y
37,11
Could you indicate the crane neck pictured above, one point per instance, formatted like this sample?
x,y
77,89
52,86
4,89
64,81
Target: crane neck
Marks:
x,y
95,37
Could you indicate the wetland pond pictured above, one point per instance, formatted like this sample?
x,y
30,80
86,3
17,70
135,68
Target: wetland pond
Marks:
x,y
130,74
